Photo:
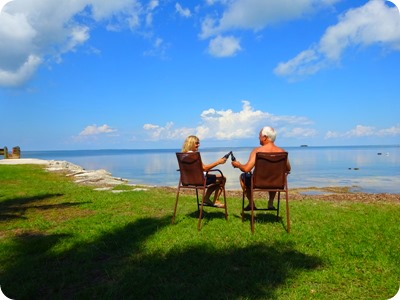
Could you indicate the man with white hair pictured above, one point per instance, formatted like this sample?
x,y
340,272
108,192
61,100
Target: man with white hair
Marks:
x,y
267,141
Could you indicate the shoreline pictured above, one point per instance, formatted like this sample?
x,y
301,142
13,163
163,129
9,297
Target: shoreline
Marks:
x,y
103,180
101,177
362,169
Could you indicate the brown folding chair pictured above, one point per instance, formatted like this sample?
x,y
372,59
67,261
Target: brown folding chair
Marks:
x,y
269,175
193,177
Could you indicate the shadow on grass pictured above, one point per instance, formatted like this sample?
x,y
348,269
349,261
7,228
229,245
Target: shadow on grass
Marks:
x,y
117,265
259,217
15,208
210,213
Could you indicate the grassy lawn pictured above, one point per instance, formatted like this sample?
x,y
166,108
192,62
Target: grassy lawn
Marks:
x,y
60,240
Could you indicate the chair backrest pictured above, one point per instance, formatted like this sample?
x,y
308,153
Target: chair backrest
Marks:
x,y
190,168
270,170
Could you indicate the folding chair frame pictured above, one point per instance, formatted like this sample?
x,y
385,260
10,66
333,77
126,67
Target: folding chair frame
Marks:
x,y
283,187
202,187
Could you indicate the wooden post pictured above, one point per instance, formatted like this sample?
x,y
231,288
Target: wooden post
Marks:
x,y
16,152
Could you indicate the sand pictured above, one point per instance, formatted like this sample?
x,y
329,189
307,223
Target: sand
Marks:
x,y
24,161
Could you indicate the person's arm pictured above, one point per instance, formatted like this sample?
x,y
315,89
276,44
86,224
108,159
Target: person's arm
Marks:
x,y
288,166
247,167
219,161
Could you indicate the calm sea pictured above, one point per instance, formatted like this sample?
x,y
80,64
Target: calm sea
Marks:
x,y
373,169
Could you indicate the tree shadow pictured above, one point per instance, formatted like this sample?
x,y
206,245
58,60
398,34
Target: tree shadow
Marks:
x,y
202,273
16,208
118,265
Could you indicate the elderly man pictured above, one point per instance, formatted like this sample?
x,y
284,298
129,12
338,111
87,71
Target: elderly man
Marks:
x,y
267,138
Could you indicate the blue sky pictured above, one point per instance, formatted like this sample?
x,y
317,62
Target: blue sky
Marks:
x,y
128,74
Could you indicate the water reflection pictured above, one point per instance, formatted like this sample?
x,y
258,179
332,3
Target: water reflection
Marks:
x,y
311,166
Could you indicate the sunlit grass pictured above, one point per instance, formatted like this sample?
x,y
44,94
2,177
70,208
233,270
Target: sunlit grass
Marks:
x,y
60,240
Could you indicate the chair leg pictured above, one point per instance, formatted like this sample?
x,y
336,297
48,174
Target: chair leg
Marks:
x,y
198,203
287,211
252,210
201,209
176,205
243,206
277,209
226,205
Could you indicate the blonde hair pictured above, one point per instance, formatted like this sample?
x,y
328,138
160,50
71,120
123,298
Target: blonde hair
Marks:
x,y
190,143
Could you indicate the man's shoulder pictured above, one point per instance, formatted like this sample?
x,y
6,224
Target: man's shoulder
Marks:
x,y
258,149
269,149
279,149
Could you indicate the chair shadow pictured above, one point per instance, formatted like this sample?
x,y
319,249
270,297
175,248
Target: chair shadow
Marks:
x,y
116,265
209,213
263,216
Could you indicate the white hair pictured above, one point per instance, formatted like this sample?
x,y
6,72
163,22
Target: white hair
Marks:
x,y
269,132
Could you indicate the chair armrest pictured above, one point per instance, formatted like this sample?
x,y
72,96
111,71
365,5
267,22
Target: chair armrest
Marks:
x,y
215,170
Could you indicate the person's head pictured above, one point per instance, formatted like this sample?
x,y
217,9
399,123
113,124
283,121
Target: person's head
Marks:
x,y
191,143
267,132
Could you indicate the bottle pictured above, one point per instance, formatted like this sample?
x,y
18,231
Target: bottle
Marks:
x,y
227,155
233,158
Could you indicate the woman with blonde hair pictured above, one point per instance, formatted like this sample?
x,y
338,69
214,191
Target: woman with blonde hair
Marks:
x,y
192,144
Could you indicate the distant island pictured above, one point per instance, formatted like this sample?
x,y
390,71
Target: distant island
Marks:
x,y
303,145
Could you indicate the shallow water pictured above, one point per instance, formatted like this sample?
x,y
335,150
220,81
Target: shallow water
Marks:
x,y
374,169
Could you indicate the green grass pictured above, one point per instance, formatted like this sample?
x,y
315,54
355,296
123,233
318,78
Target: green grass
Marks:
x,y
59,240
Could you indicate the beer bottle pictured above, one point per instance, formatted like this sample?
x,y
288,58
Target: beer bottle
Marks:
x,y
227,155
233,158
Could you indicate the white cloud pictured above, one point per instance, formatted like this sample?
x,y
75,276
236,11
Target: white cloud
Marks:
x,y
150,8
96,130
78,36
252,15
33,32
305,63
392,131
373,23
159,49
361,131
224,46
365,131
24,72
166,132
153,4
332,134
257,14
297,132
227,125
118,14
184,12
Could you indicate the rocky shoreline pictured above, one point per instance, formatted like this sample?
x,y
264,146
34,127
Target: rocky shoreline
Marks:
x,y
100,178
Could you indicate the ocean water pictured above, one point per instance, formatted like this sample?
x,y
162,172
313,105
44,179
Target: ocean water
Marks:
x,y
373,169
